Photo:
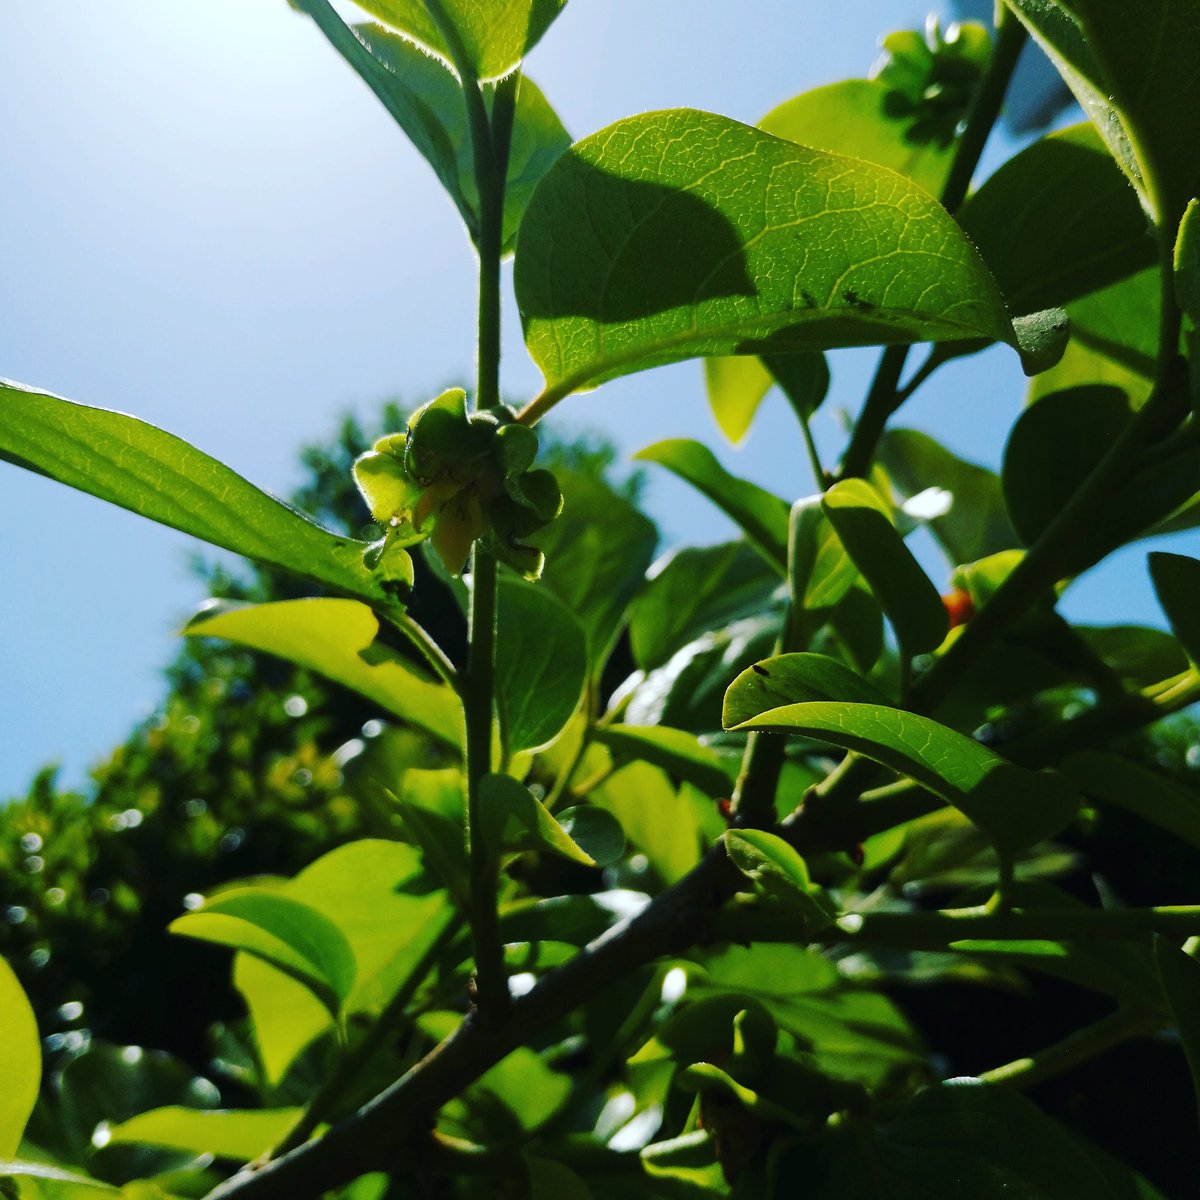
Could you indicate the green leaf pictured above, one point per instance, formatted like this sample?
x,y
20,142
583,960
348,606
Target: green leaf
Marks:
x,y
1058,221
780,873
695,590
1121,322
1132,68
704,236
541,664
1179,974
340,640
1146,794
285,1016
595,831
290,935
426,100
762,516
1187,263
820,571
1177,585
235,1134
860,114
1015,807
956,1139
55,1183
430,804
911,602
157,475
792,679
977,524
20,1061
597,552
549,1180
513,821
1055,445
494,34
737,384
682,755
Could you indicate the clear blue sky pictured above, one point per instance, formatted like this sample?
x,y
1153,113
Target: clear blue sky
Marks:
x,y
207,221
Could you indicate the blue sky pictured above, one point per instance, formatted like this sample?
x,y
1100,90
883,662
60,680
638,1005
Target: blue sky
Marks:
x,y
207,221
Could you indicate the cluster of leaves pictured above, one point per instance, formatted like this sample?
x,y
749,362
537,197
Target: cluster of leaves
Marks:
x,y
651,941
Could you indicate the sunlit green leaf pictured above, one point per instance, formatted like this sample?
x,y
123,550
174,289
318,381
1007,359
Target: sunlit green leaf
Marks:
x,y
157,475
704,236
55,1183
1016,807
290,935
541,664
425,99
780,873
20,1061
340,640
911,602
737,384
233,1134
820,570
1058,221
513,820
762,516
494,35
861,114
794,679
595,831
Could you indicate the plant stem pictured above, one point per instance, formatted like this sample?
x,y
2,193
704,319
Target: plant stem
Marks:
x,y
429,650
885,395
1086,1043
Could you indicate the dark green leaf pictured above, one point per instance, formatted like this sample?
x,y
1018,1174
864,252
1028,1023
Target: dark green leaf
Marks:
x,y
290,935
1121,322
426,101
780,873
340,640
704,236
513,820
697,589
680,754
794,679
1177,584
1146,794
596,832
494,34
762,516
597,553
541,664
1016,807
127,462
977,524
1058,221
20,1062
910,601
1055,445
1187,263
1179,974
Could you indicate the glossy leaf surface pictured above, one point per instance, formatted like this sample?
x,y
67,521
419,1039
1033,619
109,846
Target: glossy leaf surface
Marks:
x,y
706,237
20,1062
513,820
678,753
425,99
541,664
780,873
1015,807
494,35
912,604
794,679
340,640
762,516
157,475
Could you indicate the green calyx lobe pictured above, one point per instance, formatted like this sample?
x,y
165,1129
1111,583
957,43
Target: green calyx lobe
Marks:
x,y
457,477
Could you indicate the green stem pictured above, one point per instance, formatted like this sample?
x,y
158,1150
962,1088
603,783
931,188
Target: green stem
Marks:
x,y
885,396
1076,1048
430,651
820,478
